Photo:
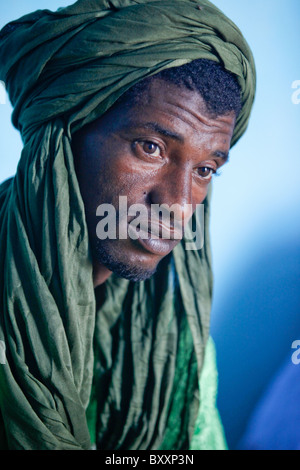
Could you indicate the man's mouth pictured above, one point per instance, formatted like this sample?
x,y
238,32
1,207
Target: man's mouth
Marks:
x,y
160,247
155,238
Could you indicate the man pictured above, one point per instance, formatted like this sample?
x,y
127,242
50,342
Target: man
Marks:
x,y
107,338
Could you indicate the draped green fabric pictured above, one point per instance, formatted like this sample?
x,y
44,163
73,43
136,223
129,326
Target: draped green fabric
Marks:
x,y
133,351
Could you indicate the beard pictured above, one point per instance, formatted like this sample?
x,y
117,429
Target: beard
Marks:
x,y
110,259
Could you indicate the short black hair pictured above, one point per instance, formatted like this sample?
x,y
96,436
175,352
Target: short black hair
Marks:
x,y
218,87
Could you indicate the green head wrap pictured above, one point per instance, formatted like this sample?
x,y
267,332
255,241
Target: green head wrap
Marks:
x,y
144,348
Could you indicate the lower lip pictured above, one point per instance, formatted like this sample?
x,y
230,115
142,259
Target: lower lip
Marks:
x,y
159,247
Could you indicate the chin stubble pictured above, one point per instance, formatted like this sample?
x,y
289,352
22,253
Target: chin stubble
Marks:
x,y
121,269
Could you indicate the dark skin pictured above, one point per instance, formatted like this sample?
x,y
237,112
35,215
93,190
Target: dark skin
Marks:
x,y
163,150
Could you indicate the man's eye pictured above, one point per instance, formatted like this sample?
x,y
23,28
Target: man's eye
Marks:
x,y
205,172
151,148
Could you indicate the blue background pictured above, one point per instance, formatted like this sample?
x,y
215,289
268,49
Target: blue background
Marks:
x,y
255,224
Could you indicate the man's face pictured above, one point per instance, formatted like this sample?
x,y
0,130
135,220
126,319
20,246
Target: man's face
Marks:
x,y
162,150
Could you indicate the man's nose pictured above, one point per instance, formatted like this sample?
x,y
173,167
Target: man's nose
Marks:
x,y
174,191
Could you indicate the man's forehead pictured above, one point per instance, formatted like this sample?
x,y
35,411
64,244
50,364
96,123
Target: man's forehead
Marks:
x,y
158,89
167,110
171,101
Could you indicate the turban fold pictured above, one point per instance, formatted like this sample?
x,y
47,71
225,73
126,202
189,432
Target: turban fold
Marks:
x,y
135,355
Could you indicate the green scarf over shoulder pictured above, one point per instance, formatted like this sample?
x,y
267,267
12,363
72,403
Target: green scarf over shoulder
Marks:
x,y
143,350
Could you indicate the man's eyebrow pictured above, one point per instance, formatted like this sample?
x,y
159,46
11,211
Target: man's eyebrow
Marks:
x,y
155,127
220,154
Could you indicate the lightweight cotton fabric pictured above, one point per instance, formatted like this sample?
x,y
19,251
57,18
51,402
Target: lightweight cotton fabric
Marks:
x,y
143,347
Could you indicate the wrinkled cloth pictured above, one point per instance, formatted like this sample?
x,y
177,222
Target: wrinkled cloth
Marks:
x,y
143,346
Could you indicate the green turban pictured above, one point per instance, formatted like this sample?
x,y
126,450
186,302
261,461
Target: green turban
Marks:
x,y
137,356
